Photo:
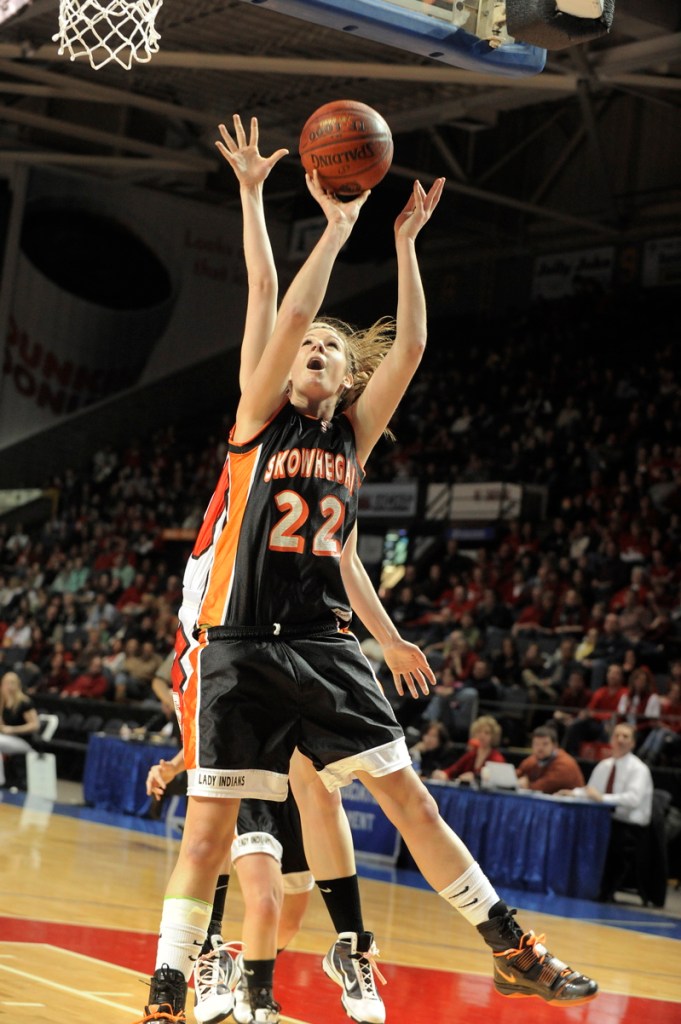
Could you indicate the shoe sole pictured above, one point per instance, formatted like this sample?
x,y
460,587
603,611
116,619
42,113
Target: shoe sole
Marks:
x,y
333,975
213,1020
515,992
216,1019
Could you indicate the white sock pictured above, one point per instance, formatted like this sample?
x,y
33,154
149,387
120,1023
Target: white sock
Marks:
x,y
184,926
472,894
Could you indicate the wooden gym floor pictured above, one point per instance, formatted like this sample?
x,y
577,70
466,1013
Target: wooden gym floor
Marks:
x,y
80,897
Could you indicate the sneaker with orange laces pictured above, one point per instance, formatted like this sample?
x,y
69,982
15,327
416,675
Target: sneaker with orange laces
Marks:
x,y
167,996
523,966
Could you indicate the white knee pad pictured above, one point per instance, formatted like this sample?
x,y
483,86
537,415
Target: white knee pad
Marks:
x,y
256,842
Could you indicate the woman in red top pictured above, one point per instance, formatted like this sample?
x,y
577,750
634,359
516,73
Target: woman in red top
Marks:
x,y
485,737
640,705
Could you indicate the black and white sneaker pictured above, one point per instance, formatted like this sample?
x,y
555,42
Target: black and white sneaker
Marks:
x,y
253,1008
523,965
351,963
167,996
215,978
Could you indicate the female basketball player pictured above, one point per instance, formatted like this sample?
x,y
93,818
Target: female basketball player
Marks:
x,y
276,666
331,852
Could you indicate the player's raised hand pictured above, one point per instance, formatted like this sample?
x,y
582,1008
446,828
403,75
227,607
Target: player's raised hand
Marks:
x,y
409,666
418,209
243,154
336,211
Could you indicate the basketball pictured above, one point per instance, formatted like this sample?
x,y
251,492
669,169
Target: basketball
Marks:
x,y
349,144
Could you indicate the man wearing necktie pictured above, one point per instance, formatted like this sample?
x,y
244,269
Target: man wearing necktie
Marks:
x,y
624,782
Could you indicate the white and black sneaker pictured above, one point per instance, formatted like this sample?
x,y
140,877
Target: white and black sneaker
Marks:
x,y
266,1009
351,963
242,1004
215,977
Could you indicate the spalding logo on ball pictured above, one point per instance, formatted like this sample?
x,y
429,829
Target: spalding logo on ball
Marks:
x,y
349,144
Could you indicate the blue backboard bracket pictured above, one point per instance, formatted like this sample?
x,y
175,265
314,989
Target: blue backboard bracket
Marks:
x,y
437,39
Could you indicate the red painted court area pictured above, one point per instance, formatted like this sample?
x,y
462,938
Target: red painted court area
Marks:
x,y
413,995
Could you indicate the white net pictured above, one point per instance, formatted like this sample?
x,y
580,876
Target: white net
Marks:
x,y
119,30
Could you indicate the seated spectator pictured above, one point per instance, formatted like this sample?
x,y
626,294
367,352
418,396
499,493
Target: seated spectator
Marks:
x,y
133,680
668,730
93,683
434,750
481,681
533,675
573,699
102,614
570,618
623,782
485,737
18,634
455,653
548,768
55,678
634,618
491,612
609,650
19,723
559,666
640,704
595,720
506,663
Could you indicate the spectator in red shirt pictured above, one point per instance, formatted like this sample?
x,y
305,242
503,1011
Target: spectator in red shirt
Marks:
x,y
92,683
593,721
485,737
548,768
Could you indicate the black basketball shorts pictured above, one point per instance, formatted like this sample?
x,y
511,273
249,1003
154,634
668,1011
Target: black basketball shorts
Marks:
x,y
274,828
249,703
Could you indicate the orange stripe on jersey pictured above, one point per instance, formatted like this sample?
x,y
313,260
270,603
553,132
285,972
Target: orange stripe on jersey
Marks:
x,y
189,705
213,605
214,510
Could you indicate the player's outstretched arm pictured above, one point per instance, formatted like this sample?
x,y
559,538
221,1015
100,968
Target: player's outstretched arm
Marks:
x,y
265,391
251,169
374,408
406,661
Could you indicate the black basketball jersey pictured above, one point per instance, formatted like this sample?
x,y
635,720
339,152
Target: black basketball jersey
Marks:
x,y
286,505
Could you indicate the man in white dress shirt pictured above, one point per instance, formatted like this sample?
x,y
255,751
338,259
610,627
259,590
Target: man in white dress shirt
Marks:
x,y
624,782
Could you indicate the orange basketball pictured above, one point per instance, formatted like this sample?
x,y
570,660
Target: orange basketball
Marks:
x,y
349,144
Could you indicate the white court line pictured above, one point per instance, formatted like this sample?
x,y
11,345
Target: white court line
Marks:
x,y
68,988
5,1002
91,995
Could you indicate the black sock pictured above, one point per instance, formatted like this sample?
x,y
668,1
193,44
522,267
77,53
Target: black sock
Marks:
x,y
341,896
259,974
215,926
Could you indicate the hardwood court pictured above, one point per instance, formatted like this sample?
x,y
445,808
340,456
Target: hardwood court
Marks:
x,y
79,909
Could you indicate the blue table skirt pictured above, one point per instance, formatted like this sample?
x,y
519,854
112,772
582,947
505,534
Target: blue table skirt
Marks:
x,y
116,772
529,842
523,842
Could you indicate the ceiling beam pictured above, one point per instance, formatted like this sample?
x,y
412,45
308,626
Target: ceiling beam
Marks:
x,y
542,212
75,87
123,164
256,64
642,54
56,126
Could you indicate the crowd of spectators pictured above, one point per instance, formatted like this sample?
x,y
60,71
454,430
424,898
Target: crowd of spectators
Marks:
x,y
573,621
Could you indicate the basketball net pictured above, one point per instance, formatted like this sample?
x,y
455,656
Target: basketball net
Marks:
x,y
108,30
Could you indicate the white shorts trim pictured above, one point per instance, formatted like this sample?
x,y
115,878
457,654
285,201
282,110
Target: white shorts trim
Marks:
x,y
247,784
256,842
297,882
383,760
